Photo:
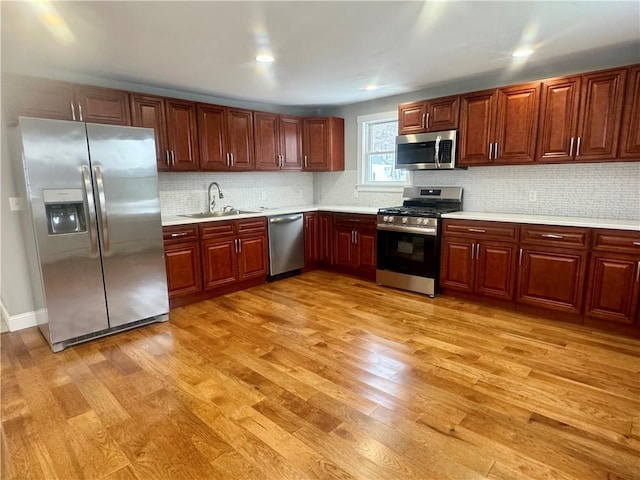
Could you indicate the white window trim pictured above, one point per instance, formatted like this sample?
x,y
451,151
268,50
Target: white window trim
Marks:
x,y
380,186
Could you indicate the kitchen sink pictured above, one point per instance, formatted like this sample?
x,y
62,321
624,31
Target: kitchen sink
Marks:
x,y
227,213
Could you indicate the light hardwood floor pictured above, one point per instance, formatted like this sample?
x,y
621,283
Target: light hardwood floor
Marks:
x,y
325,376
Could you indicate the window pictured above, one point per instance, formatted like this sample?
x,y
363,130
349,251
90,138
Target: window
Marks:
x,y
377,152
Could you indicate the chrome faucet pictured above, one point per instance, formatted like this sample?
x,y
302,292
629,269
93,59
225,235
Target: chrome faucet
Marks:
x,y
212,198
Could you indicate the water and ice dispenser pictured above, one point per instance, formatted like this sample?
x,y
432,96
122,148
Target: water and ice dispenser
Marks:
x,y
65,211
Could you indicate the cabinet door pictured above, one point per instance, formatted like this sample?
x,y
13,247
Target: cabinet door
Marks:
x,y
412,118
365,255
182,135
240,139
311,237
477,118
552,279
32,97
517,124
267,139
252,256
495,269
148,111
558,123
290,142
630,128
316,147
443,113
613,287
600,113
219,262
103,105
343,247
457,265
325,238
183,268
211,133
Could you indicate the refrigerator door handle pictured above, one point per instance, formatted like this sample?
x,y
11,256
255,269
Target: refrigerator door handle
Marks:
x,y
103,208
88,194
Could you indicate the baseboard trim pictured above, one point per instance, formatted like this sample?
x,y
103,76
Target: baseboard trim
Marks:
x,y
18,322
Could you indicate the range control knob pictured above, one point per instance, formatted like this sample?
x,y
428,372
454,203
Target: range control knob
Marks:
x,y
385,218
390,219
405,220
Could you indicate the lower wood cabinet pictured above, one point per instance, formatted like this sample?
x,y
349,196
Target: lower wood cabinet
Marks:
x,y
479,257
206,259
182,260
354,244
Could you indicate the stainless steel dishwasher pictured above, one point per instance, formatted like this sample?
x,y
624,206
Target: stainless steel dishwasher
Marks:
x,y
286,243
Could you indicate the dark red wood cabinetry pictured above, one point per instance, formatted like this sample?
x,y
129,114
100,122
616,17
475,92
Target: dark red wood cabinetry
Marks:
x,y
432,115
278,141
630,128
499,126
226,138
174,122
323,144
182,259
354,244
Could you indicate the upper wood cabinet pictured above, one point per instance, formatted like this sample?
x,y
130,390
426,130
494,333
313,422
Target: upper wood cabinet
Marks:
x,y
278,141
174,122
323,144
630,128
226,138
429,115
580,117
35,97
499,126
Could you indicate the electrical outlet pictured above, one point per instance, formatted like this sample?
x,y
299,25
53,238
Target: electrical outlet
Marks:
x,y
533,195
15,204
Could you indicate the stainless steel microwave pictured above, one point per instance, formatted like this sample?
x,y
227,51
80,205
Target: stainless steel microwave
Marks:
x,y
426,151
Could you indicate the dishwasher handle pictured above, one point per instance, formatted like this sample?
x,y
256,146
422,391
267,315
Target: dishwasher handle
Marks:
x,y
285,219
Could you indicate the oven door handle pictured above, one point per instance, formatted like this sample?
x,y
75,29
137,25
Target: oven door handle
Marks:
x,y
429,232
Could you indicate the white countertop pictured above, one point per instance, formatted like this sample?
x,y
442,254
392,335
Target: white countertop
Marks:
x,y
614,224
264,212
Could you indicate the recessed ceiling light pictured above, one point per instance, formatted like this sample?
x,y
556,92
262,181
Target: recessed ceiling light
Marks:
x,y
522,52
371,87
265,58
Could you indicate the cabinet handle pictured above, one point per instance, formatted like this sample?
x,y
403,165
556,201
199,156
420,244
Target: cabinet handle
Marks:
x,y
638,273
166,158
578,147
637,244
235,244
478,230
571,148
73,111
490,150
520,258
477,251
239,245
173,158
495,151
80,112
355,236
427,121
473,251
181,234
231,158
551,235
306,163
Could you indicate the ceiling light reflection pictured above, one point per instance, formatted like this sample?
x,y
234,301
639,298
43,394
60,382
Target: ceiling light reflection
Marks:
x,y
48,15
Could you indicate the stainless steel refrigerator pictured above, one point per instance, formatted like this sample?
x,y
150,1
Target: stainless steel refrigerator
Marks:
x,y
92,228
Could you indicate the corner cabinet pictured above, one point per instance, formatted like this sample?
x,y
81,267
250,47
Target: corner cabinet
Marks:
x,y
432,115
226,138
499,126
278,141
174,122
580,117
323,144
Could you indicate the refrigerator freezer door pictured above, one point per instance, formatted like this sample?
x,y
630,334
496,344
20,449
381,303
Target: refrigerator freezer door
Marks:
x,y
125,180
54,153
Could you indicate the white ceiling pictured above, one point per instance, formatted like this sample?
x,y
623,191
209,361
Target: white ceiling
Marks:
x,y
326,52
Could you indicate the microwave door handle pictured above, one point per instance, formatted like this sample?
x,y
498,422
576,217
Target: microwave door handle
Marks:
x,y
437,152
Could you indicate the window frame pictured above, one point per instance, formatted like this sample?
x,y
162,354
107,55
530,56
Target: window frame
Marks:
x,y
363,168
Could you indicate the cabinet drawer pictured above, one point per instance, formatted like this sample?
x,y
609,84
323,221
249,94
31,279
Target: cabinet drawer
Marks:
x,y
354,220
179,233
251,225
216,229
616,241
480,229
555,236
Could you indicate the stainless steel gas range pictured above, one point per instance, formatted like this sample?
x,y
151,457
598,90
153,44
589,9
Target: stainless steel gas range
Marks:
x,y
409,238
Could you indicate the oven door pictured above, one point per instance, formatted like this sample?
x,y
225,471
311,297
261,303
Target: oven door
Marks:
x,y
409,253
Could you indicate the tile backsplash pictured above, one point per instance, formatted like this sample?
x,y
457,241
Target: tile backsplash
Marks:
x,y
597,190
187,192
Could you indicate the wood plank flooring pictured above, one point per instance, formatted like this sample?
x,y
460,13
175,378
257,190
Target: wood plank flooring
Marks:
x,y
324,376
